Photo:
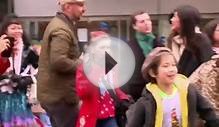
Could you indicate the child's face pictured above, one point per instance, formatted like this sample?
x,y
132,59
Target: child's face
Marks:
x,y
167,70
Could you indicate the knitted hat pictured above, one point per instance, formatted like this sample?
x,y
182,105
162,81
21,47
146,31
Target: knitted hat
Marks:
x,y
104,26
151,59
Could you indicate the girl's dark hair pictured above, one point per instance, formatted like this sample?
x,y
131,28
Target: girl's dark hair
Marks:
x,y
189,17
209,29
13,19
170,16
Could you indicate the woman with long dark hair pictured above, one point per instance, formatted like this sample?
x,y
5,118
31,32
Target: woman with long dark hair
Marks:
x,y
193,47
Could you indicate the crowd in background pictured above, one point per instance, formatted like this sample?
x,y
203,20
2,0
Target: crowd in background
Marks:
x,y
175,83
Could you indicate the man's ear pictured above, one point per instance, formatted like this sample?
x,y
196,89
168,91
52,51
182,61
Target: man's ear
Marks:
x,y
151,73
134,26
66,6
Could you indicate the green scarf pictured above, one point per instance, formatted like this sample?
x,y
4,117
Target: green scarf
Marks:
x,y
145,41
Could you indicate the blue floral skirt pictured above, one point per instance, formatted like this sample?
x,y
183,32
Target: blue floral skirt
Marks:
x,y
14,110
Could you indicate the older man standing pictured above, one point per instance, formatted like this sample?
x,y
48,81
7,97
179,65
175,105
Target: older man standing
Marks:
x,y
57,65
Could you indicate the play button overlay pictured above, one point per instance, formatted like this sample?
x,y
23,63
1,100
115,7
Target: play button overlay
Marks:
x,y
108,62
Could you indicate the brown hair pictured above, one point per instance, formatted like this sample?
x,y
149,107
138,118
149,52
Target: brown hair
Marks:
x,y
133,19
209,29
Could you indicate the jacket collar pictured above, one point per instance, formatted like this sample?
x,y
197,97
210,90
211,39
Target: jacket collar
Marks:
x,y
67,20
181,83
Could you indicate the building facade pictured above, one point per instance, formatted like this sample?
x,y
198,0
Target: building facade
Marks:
x,y
37,13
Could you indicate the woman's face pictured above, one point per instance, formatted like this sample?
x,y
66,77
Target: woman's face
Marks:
x,y
216,35
175,22
15,30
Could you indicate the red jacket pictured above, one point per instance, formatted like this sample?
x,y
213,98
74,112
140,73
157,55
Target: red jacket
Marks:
x,y
89,95
4,64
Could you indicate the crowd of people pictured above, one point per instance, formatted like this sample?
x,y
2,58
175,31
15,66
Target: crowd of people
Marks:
x,y
174,84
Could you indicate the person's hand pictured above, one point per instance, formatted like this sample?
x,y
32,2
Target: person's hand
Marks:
x,y
4,43
36,49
